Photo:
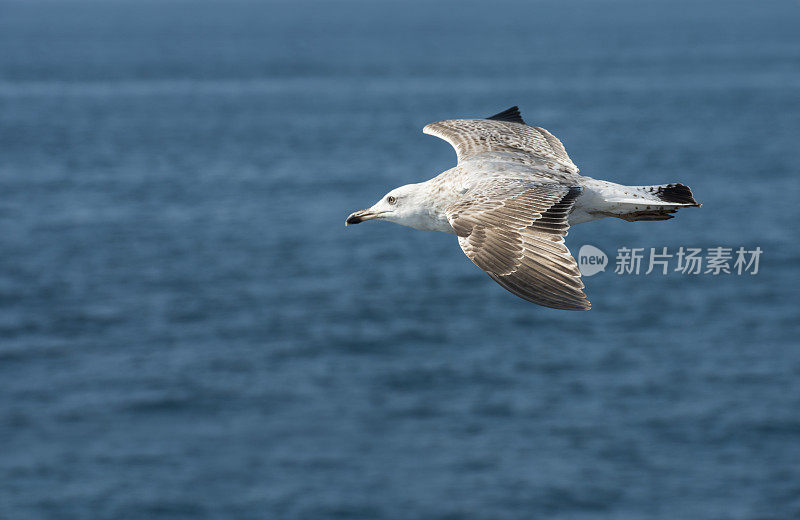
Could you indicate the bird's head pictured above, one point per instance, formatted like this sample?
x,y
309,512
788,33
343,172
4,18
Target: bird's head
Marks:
x,y
404,205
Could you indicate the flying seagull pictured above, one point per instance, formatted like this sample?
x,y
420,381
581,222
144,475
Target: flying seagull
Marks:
x,y
511,199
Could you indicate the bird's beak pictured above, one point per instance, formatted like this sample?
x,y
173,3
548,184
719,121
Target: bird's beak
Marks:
x,y
363,215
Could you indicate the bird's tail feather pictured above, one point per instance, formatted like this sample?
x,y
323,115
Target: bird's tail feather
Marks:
x,y
657,202
677,193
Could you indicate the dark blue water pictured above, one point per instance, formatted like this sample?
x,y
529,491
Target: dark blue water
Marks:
x,y
187,329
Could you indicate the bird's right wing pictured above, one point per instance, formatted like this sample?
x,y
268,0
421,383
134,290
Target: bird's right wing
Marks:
x,y
503,132
514,230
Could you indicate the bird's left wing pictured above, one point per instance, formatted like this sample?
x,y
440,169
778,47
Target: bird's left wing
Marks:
x,y
514,230
503,132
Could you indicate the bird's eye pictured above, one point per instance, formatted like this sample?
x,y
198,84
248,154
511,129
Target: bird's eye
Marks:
x,y
391,199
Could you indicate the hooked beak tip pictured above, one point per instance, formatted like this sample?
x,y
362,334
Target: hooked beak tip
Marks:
x,y
363,216
355,218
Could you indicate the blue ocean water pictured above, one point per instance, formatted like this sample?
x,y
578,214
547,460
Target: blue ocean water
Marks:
x,y
187,329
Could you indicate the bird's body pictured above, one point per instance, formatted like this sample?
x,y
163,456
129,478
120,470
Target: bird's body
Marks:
x,y
511,199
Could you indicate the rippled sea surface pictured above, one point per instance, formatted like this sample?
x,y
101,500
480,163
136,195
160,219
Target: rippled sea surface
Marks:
x,y
187,329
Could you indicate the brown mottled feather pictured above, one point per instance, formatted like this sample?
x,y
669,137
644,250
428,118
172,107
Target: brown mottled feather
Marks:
x,y
514,230
471,137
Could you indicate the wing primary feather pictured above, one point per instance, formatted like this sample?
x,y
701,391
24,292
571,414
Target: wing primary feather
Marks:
x,y
514,230
505,132
509,115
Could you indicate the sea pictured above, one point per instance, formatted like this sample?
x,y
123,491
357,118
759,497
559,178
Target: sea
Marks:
x,y
188,330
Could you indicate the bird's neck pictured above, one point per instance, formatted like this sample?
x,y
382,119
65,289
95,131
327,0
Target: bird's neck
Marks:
x,y
432,202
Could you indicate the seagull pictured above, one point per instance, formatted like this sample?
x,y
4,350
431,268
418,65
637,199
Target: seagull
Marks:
x,y
511,199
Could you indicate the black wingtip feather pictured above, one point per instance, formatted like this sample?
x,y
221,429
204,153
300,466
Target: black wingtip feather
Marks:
x,y
510,115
